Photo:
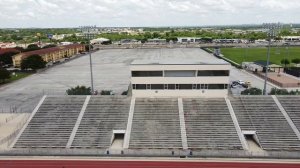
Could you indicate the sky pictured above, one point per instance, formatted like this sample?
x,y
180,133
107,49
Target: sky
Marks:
x,y
144,13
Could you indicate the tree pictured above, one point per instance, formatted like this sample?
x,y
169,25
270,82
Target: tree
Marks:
x,y
296,61
79,90
4,74
33,62
252,91
275,91
87,47
285,61
297,92
6,58
106,42
32,47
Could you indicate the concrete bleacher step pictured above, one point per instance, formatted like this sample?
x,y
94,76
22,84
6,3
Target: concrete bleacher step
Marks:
x,y
52,123
261,114
155,124
102,115
209,124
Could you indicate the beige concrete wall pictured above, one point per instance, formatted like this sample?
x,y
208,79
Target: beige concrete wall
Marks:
x,y
180,93
178,67
180,80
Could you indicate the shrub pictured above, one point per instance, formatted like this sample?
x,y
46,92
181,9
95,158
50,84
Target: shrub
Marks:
x,y
79,90
275,91
4,74
106,92
252,91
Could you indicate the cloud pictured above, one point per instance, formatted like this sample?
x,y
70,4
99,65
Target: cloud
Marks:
x,y
65,13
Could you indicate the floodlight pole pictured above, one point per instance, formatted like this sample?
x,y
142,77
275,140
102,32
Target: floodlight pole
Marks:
x,y
272,29
88,28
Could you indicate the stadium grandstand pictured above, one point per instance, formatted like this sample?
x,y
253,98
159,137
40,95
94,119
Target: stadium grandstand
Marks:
x,y
173,109
243,126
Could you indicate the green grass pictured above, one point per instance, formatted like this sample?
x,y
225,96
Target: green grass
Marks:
x,y
240,55
17,76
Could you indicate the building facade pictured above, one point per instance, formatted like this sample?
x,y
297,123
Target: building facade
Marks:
x,y
188,39
179,78
51,54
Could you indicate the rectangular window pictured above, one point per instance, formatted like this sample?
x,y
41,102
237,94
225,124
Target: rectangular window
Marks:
x,y
185,86
194,86
141,86
148,86
216,86
133,86
198,86
214,73
176,86
166,86
171,86
146,73
157,86
204,86
180,73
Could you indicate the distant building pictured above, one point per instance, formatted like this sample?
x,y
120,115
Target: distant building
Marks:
x,y
50,54
291,38
157,41
8,45
179,78
188,39
99,40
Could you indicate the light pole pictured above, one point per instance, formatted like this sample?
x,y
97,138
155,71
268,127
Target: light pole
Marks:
x,y
272,29
88,34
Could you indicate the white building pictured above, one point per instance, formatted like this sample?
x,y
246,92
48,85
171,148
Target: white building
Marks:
x,y
156,41
179,78
188,39
291,38
99,40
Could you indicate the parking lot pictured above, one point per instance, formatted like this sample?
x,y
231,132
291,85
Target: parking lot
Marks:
x,y
111,72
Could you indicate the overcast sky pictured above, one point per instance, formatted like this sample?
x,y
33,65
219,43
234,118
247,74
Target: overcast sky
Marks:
x,y
104,13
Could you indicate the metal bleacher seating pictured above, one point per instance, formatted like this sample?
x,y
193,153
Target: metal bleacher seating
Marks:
x,y
53,123
291,105
209,124
261,114
102,115
155,124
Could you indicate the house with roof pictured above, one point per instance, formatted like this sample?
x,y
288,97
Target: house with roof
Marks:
x,y
50,54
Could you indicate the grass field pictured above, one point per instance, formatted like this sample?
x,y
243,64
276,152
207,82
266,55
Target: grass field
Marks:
x,y
240,55
17,76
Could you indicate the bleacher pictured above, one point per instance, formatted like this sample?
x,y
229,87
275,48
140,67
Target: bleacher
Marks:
x,y
155,124
53,123
291,105
261,114
209,124
102,115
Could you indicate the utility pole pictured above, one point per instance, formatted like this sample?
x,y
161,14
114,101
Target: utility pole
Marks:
x,y
89,34
272,30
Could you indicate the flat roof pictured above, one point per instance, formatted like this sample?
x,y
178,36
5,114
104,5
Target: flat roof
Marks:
x,y
180,62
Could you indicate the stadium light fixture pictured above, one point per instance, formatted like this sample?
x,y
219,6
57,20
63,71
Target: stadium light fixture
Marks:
x,y
89,34
272,31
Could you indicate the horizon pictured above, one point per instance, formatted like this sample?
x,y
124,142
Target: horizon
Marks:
x,y
191,26
145,13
